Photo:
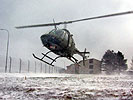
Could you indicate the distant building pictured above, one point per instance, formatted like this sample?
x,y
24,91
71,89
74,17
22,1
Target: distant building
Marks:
x,y
92,66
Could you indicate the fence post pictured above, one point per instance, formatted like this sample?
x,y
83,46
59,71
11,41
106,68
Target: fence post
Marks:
x,y
45,68
49,68
56,69
20,66
28,66
41,68
35,66
10,64
52,69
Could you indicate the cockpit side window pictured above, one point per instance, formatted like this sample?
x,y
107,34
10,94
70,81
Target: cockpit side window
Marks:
x,y
66,36
70,42
62,35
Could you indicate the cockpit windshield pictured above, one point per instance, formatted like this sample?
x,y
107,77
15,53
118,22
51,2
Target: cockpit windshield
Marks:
x,y
59,33
52,32
55,32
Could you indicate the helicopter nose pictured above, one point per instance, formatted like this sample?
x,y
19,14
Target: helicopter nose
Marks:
x,y
44,39
43,36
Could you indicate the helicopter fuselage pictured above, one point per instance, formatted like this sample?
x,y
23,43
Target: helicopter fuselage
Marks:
x,y
60,42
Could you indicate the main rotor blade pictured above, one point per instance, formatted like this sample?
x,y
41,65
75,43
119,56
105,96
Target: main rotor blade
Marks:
x,y
38,25
104,16
68,22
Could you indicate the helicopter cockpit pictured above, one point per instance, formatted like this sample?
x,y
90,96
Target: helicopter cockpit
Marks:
x,y
60,33
64,36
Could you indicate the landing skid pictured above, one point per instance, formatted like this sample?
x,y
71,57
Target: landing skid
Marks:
x,y
74,60
46,56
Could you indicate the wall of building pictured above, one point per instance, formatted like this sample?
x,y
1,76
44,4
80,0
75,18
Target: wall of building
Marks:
x,y
97,66
70,69
92,66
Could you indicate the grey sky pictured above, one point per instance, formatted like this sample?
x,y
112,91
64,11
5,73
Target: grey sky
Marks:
x,y
97,35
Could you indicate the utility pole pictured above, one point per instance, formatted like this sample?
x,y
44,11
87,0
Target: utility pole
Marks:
x,y
6,49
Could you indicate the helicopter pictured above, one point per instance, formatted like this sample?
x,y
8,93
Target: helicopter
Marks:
x,y
61,42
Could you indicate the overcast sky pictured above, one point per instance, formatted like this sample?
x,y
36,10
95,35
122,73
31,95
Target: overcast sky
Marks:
x,y
97,36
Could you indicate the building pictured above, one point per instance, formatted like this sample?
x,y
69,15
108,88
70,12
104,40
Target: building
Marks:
x,y
92,66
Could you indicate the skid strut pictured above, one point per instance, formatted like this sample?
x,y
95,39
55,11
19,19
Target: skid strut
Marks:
x,y
46,55
74,60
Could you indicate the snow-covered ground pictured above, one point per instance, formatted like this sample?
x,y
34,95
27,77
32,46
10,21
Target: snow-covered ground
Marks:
x,y
65,87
